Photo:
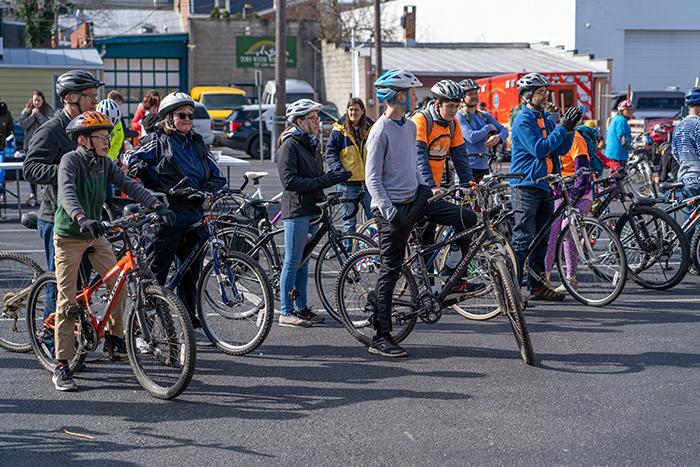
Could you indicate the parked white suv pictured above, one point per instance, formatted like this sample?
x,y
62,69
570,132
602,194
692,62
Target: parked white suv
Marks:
x,y
203,124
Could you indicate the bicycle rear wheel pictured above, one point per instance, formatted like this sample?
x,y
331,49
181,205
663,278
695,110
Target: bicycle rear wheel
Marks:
x,y
598,277
236,307
695,250
160,343
356,296
658,254
514,311
329,263
17,273
41,309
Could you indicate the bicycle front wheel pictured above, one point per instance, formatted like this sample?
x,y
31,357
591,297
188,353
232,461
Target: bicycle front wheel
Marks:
x,y
329,263
160,343
356,298
598,276
17,273
657,252
514,311
236,306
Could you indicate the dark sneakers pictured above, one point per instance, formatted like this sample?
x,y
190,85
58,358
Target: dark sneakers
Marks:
x,y
463,290
118,345
386,347
309,315
63,379
548,294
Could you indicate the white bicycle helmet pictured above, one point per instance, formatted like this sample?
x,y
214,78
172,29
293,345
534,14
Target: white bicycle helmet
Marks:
x,y
110,108
300,108
174,101
447,90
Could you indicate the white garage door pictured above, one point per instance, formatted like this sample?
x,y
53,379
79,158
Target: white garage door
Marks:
x,y
657,59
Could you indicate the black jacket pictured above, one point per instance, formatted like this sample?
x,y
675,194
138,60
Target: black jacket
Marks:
x,y
301,172
155,164
49,143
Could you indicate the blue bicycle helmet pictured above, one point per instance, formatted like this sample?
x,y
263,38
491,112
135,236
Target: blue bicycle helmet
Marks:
x,y
393,81
692,97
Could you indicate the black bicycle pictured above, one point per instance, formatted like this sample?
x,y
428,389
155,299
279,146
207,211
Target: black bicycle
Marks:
x,y
657,252
260,244
414,297
235,301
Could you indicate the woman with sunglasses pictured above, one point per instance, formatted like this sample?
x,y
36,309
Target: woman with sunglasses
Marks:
x,y
301,172
163,158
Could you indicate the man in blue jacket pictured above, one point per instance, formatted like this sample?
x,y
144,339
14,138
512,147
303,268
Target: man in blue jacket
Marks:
x,y
537,145
480,130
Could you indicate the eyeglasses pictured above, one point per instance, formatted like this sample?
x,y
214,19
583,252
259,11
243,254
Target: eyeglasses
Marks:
x,y
104,139
314,118
89,96
184,116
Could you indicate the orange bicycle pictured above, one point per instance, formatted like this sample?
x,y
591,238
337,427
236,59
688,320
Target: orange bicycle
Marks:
x,y
160,341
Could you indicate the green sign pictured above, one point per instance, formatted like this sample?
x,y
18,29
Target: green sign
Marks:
x,y
260,52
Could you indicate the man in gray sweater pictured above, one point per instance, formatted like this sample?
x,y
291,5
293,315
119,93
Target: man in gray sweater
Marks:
x,y
399,198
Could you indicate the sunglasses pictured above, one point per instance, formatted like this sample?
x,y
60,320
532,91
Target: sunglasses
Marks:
x,y
184,116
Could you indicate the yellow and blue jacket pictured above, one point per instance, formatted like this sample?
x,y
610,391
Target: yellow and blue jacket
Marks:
x,y
346,150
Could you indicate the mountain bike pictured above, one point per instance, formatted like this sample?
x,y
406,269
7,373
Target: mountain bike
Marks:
x,y
416,296
656,250
235,301
159,338
17,274
261,245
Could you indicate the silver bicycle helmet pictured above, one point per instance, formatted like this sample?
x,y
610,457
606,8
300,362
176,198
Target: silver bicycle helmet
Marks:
x,y
468,85
174,101
447,90
300,108
530,82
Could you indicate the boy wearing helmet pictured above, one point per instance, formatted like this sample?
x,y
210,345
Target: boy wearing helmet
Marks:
x,y
83,177
480,130
619,140
538,143
685,146
400,196
77,90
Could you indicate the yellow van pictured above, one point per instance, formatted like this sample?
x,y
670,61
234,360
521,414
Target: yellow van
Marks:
x,y
220,101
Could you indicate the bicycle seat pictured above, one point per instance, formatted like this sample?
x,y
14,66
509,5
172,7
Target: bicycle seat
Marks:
x,y
649,201
255,176
29,220
132,209
671,186
255,202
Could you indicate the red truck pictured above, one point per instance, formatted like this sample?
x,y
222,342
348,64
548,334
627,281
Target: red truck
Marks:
x,y
500,93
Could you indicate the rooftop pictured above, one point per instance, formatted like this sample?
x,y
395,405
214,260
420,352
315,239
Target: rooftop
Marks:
x,y
51,58
127,22
484,59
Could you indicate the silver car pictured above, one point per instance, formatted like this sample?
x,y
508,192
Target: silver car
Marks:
x,y
203,124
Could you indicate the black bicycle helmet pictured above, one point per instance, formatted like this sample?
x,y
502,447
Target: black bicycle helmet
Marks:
x,y
468,85
447,90
75,81
530,82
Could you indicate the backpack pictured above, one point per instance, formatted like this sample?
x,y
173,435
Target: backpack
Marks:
x,y
589,135
429,123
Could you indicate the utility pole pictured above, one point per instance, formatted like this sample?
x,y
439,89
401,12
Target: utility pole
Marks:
x,y
55,24
280,72
378,37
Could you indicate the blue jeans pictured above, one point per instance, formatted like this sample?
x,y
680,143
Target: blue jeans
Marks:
x,y
46,233
532,208
688,192
294,275
352,192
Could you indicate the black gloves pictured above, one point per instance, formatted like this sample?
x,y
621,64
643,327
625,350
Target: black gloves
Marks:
x,y
95,228
338,176
165,214
571,118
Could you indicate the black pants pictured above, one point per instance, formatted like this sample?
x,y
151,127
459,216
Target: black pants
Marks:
x,y
393,236
177,242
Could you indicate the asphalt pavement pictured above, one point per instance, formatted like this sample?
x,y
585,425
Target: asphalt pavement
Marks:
x,y
611,386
